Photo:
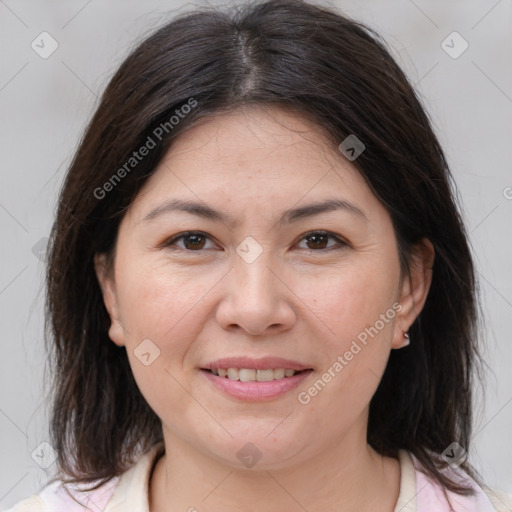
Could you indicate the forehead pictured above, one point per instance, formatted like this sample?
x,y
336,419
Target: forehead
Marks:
x,y
257,158
239,136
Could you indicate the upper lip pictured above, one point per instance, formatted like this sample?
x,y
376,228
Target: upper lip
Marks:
x,y
264,363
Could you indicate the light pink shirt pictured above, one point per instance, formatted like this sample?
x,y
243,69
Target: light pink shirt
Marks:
x,y
129,493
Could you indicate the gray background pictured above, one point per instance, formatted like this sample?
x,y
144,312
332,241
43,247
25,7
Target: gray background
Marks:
x,y
45,104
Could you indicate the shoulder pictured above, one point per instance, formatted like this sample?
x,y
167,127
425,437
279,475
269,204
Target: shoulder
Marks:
x,y
123,492
61,497
32,504
430,495
501,501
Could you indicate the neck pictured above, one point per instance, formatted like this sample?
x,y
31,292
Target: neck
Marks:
x,y
350,478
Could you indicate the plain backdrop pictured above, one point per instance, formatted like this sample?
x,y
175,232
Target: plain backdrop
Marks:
x,y
46,102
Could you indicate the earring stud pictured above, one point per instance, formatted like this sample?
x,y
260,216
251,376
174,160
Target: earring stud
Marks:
x,y
406,340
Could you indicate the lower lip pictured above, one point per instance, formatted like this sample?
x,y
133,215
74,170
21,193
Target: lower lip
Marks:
x,y
254,391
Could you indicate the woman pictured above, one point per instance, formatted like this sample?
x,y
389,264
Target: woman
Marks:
x,y
260,291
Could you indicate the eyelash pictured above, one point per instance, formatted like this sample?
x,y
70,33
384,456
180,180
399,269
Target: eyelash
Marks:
x,y
171,241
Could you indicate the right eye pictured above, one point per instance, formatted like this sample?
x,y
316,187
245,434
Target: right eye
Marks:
x,y
193,241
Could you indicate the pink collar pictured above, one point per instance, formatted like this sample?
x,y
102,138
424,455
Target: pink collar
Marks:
x,y
430,497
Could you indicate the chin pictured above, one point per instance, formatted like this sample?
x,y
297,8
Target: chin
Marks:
x,y
258,450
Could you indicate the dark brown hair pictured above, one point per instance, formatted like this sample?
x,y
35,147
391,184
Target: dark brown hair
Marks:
x,y
339,74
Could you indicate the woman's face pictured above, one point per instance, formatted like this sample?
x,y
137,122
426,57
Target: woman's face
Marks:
x,y
258,282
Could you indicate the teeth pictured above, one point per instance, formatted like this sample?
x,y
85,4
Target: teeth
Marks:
x,y
251,375
233,374
246,375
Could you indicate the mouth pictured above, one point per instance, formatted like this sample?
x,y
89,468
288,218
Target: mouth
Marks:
x,y
255,384
255,375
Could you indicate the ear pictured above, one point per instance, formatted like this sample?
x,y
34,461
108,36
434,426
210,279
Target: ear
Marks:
x,y
414,290
108,289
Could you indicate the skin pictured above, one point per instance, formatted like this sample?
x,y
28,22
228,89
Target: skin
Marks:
x,y
301,299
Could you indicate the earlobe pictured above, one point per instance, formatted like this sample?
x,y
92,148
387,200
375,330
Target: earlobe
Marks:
x,y
415,290
107,286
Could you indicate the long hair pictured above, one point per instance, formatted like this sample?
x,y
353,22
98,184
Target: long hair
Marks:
x,y
339,74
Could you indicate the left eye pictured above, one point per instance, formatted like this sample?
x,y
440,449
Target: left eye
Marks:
x,y
195,241
319,240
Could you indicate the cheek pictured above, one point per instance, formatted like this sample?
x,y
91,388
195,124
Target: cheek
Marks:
x,y
164,307
355,314
167,306
158,302
347,301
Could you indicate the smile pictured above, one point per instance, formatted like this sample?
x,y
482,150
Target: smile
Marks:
x,y
250,374
243,383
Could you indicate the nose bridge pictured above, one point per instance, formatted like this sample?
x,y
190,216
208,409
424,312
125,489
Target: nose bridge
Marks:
x,y
255,299
252,271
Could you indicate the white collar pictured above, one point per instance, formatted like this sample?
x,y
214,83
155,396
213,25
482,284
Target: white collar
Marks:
x,y
132,491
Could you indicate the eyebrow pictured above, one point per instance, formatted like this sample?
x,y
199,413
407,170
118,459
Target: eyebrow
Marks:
x,y
288,216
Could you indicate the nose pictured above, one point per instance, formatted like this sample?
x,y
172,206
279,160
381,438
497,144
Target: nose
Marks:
x,y
256,298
